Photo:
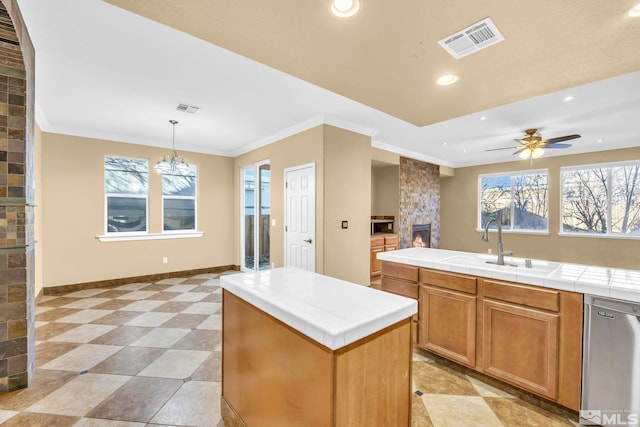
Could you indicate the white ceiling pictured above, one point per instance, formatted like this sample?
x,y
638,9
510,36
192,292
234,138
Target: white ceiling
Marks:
x,y
107,73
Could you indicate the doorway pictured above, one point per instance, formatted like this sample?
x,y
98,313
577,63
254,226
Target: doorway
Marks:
x,y
255,217
300,216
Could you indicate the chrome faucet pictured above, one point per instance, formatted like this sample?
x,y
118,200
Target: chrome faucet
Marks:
x,y
485,238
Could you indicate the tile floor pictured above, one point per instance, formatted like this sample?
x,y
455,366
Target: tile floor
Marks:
x,y
149,354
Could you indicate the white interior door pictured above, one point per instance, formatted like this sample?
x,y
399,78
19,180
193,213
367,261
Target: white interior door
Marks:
x,y
300,217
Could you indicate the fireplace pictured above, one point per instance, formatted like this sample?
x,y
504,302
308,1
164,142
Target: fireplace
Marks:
x,y
421,236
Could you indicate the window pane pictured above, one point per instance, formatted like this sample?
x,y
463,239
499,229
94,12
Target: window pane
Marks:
x,y
179,185
248,179
584,201
265,209
495,200
625,199
179,214
126,214
530,202
125,176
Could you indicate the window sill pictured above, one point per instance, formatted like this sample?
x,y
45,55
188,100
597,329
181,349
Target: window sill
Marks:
x,y
149,236
601,236
532,232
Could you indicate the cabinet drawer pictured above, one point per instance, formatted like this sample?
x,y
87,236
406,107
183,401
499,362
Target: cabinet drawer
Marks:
x,y
545,299
391,240
455,282
399,286
400,271
377,241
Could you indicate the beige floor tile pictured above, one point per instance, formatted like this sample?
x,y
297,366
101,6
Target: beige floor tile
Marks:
x,y
96,422
42,383
456,411
83,333
207,276
85,293
419,416
132,286
143,305
191,406
161,338
122,335
50,329
486,390
82,358
211,368
180,288
432,378
41,309
190,296
84,316
175,364
200,339
138,400
28,419
87,390
204,308
213,322
128,361
86,303
5,415
47,351
151,319
517,413
118,317
184,321
137,295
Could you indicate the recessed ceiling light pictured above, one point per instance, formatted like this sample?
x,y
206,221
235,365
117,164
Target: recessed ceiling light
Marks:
x,y
483,118
635,12
447,79
600,140
344,8
444,143
464,150
568,98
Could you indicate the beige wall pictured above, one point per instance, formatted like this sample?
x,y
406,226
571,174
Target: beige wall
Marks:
x,y
343,191
71,188
459,213
385,192
347,196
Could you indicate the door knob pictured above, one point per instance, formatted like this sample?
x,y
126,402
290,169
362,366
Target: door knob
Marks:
x,y
307,240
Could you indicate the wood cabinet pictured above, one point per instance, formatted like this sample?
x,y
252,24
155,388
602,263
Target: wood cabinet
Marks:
x,y
447,316
381,243
402,279
528,336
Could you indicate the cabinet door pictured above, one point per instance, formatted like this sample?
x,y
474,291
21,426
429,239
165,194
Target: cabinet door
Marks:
x,y
376,264
448,324
520,346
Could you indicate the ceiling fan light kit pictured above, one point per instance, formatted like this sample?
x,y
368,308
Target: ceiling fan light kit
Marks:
x,y
532,145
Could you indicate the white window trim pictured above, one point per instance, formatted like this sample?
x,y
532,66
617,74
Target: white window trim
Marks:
x,y
127,237
608,234
511,174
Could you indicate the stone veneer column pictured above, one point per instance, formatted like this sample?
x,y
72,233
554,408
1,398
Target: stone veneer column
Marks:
x,y
419,199
17,297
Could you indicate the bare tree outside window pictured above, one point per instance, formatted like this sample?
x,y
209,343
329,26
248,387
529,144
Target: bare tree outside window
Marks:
x,y
518,201
601,200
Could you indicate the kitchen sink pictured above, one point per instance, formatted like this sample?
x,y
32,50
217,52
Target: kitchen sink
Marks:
x,y
486,261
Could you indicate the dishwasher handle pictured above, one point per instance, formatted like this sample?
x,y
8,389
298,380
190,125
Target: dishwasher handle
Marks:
x,y
620,306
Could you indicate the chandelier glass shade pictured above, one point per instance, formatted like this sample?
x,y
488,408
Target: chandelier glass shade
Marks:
x,y
531,153
173,164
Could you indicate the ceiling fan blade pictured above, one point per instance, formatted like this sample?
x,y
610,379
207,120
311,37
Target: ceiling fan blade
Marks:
x,y
554,145
562,138
520,150
503,148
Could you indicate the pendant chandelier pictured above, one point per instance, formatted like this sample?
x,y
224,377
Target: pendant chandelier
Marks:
x,y
173,164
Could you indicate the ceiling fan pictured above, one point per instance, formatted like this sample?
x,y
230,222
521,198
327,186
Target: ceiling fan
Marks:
x,y
532,145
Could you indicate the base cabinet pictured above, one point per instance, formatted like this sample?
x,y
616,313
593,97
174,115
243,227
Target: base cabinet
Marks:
x,y
528,336
520,346
381,243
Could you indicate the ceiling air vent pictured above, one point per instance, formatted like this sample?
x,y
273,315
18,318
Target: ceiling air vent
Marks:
x,y
472,39
186,108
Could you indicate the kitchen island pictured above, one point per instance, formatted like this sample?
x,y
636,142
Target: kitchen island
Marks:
x,y
300,348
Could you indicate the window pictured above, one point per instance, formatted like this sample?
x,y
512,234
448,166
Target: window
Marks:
x,y
179,201
601,199
519,201
125,187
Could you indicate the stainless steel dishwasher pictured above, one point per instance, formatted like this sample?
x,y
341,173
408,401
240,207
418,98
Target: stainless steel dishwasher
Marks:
x,y
611,362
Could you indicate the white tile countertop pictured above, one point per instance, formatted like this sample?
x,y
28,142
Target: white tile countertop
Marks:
x,y
332,312
588,279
